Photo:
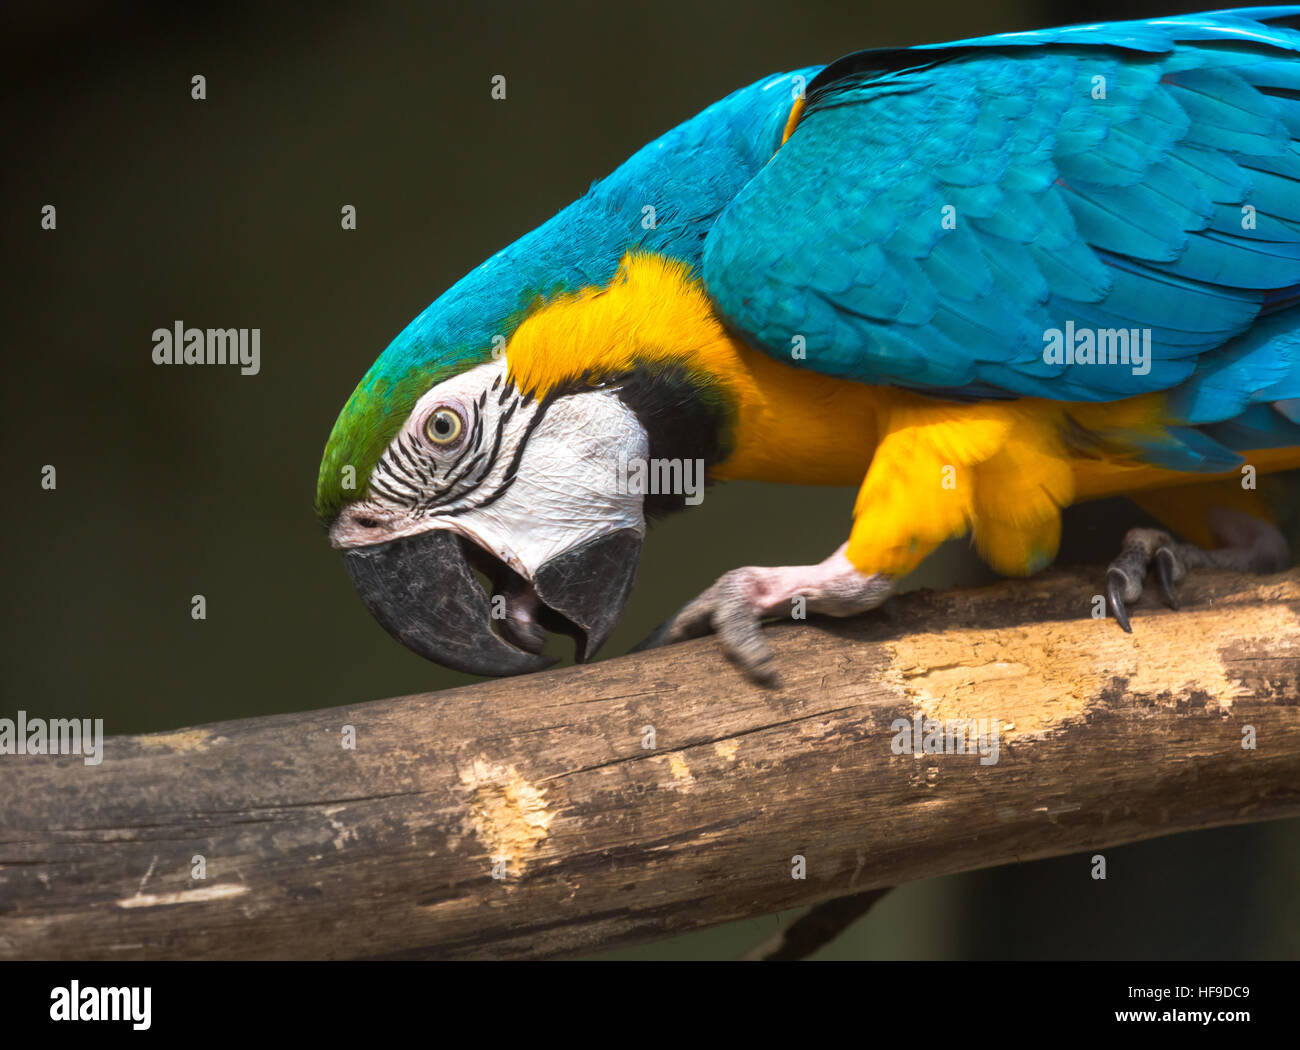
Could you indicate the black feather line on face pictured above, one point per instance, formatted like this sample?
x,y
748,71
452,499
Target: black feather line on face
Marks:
x,y
401,469
407,473
404,460
513,468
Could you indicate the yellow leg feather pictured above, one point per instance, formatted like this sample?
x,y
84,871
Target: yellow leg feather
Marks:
x,y
942,470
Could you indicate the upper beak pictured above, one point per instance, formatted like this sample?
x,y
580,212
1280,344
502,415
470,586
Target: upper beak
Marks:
x,y
423,591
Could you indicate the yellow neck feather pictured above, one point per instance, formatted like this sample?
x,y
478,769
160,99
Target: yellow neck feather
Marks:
x,y
791,424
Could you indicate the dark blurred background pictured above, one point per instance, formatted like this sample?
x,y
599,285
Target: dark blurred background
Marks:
x,y
181,481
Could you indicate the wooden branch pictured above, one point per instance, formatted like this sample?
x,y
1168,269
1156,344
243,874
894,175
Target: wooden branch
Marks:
x,y
313,850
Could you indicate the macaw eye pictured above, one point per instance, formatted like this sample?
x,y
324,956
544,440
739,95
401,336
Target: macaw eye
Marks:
x,y
443,427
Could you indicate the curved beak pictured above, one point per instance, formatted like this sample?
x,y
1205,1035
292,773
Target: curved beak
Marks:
x,y
423,591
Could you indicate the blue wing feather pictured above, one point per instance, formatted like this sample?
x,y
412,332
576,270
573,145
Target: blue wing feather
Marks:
x,y
1123,175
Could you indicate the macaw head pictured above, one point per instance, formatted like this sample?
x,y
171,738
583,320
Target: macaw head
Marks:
x,y
506,456
494,434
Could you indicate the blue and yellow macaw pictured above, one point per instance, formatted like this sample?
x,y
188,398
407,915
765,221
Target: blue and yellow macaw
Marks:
x,y
980,280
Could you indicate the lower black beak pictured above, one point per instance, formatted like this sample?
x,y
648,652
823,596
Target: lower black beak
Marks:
x,y
423,591
589,585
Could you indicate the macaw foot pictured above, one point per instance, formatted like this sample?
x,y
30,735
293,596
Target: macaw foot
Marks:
x,y
1248,545
735,606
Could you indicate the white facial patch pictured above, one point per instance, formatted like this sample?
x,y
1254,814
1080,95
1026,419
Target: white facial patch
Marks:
x,y
567,489
526,482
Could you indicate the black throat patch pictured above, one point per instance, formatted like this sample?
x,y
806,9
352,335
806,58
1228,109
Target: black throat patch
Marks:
x,y
686,417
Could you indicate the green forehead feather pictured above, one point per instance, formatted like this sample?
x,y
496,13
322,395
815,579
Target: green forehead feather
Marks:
x,y
372,417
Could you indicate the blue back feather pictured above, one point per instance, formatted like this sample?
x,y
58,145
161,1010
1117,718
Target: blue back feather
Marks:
x,y
1118,208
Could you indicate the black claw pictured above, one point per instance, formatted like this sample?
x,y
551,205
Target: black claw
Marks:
x,y
1115,581
1165,574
